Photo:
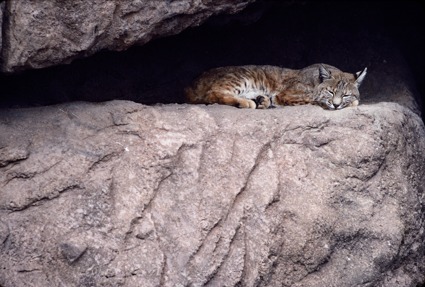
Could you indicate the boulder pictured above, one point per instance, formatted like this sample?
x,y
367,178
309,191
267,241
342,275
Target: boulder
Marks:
x,y
43,33
123,194
1,25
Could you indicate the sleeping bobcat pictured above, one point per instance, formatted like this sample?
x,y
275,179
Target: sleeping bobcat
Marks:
x,y
265,87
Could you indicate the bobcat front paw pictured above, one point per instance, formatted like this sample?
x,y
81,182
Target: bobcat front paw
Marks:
x,y
247,104
262,102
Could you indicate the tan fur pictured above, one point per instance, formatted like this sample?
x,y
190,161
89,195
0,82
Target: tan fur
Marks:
x,y
263,87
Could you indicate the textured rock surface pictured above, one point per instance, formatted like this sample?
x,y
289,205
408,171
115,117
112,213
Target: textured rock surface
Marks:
x,y
42,33
1,25
121,194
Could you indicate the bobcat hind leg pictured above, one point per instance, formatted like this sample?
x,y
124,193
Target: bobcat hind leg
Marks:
x,y
220,98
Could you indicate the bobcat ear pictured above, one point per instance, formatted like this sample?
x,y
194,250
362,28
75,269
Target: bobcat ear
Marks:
x,y
323,73
360,77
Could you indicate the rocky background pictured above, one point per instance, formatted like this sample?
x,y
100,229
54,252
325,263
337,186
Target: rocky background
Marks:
x,y
161,193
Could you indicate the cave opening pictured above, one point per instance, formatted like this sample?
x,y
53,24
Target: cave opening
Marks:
x,y
386,37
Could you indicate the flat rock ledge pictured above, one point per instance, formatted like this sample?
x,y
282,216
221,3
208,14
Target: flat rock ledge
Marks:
x,y
122,194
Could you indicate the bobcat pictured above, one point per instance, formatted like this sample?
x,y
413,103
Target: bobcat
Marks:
x,y
262,87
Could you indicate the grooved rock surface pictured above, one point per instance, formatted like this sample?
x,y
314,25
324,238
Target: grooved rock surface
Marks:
x,y
43,33
122,194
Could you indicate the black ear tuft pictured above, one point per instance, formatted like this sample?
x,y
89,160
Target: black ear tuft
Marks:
x,y
360,77
324,74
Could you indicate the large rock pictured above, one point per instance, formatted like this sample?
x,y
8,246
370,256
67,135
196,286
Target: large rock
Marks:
x,y
43,33
122,194
1,24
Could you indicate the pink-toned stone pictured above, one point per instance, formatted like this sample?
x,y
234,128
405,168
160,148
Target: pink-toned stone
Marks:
x,y
43,33
122,194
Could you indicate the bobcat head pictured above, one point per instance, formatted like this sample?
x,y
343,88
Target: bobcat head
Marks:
x,y
338,90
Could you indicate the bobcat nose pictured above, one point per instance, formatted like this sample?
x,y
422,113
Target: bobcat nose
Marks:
x,y
336,102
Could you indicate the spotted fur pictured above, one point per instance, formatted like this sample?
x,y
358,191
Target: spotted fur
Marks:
x,y
264,87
